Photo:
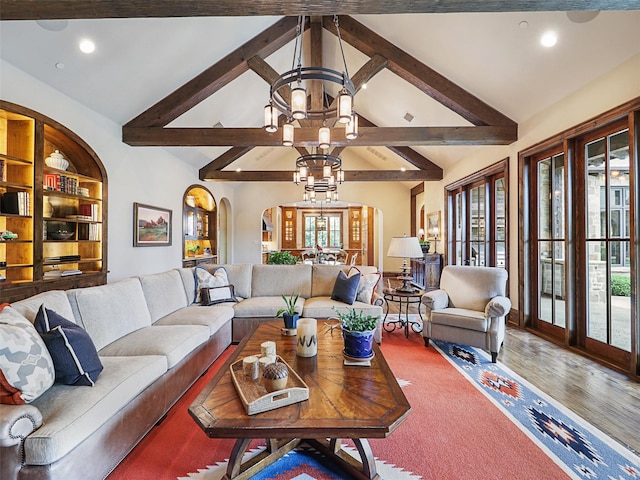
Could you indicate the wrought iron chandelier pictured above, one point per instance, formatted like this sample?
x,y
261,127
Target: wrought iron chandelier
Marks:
x,y
288,95
320,173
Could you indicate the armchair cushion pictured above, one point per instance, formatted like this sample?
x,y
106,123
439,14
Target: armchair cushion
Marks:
x,y
460,318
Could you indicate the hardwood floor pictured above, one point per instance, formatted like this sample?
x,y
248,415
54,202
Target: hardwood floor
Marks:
x,y
605,398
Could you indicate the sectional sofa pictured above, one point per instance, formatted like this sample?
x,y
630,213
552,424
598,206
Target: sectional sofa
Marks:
x,y
153,342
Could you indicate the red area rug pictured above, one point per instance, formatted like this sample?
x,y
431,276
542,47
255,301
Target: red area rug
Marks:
x,y
453,432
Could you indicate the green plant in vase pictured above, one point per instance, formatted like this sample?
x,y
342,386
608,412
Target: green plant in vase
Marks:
x,y
282,258
358,331
192,250
289,314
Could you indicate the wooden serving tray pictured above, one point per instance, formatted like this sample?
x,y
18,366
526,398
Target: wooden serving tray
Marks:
x,y
255,397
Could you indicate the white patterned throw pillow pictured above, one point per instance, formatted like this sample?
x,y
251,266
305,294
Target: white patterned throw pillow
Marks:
x,y
204,279
26,367
367,286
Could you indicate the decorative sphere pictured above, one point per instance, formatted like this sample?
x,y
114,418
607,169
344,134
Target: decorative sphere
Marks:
x,y
275,376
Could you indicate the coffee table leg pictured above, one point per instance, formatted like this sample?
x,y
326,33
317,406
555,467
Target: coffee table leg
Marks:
x,y
276,449
364,469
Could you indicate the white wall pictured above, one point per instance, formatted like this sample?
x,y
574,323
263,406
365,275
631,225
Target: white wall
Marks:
x,y
147,175
616,87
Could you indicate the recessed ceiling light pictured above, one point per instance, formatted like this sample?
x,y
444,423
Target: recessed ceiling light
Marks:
x,y
238,169
577,16
549,38
403,169
364,86
87,46
60,66
523,24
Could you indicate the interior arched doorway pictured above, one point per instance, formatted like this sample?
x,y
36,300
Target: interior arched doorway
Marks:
x,y
296,227
199,227
224,231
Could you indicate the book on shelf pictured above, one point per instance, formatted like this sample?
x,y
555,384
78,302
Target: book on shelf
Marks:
x,y
17,203
3,177
89,231
60,183
62,258
89,210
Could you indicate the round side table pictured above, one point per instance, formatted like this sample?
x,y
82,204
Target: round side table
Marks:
x,y
403,299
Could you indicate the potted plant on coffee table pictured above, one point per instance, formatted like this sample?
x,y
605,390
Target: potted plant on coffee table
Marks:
x,y
357,331
289,313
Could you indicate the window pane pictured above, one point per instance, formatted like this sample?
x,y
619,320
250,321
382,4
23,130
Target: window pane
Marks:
x,y
597,291
544,197
620,299
596,204
557,202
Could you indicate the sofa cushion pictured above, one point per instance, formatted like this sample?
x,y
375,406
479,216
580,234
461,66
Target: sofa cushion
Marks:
x,y
164,293
324,278
55,300
212,317
74,355
73,414
25,363
277,280
240,277
263,307
345,288
189,283
111,311
204,279
323,307
173,341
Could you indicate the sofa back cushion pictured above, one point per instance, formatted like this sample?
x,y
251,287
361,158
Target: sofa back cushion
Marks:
x,y
276,280
323,279
164,293
55,300
111,311
472,287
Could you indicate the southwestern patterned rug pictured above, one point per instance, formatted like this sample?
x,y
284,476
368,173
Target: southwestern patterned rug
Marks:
x,y
470,419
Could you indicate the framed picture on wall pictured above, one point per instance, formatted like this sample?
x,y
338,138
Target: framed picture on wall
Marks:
x,y
433,224
151,226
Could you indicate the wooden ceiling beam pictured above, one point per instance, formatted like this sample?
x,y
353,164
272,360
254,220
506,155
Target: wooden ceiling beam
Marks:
x,y
308,137
77,9
226,159
417,73
349,175
217,76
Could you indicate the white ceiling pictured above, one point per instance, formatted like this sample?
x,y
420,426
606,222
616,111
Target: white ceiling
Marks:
x,y
138,62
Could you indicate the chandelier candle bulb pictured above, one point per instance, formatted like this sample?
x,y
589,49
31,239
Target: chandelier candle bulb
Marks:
x,y
326,171
270,118
324,137
345,105
287,135
298,102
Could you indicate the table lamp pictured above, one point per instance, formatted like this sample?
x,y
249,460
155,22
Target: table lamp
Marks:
x,y
405,247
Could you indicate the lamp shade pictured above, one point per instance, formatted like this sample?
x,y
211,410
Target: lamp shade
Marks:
x,y
404,247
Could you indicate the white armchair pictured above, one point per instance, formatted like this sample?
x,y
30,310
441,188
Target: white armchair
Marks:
x,y
469,308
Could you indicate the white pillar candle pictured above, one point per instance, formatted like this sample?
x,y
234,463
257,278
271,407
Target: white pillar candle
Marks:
x,y
250,367
268,349
264,361
307,337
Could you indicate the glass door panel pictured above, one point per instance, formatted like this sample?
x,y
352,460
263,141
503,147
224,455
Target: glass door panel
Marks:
x,y
608,240
551,242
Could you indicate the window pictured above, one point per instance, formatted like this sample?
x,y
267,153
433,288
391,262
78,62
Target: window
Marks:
x,y
325,230
477,226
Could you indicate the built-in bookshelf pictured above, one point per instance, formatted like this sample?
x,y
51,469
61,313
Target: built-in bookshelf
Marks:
x,y
58,214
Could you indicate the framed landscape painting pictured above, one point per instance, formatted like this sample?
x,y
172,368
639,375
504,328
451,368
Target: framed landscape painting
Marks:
x,y
151,226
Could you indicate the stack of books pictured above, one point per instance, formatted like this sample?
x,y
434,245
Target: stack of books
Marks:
x,y
60,273
90,211
62,258
60,183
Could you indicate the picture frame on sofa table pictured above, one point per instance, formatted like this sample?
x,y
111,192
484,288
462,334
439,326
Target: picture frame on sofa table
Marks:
x,y
151,226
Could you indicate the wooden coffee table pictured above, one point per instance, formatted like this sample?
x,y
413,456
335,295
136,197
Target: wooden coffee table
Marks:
x,y
353,402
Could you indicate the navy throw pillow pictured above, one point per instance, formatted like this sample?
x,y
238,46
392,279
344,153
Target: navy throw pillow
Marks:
x,y
74,355
346,288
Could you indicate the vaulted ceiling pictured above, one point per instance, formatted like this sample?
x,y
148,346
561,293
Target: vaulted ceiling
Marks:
x,y
173,82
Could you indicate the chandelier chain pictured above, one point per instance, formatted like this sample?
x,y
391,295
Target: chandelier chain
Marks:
x,y
344,61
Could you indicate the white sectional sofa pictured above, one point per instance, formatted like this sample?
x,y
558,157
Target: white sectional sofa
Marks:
x,y
153,342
